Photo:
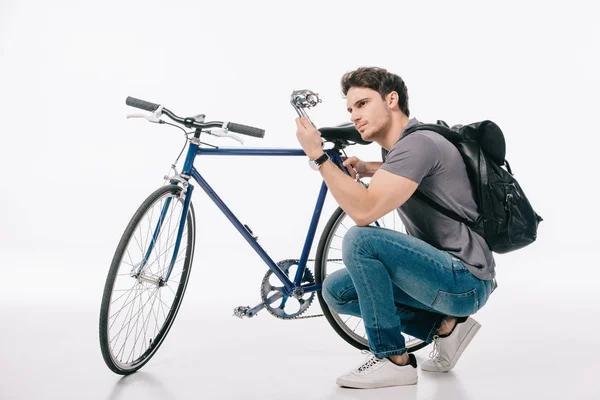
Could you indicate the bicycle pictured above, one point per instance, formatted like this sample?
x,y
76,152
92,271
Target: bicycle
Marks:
x,y
152,263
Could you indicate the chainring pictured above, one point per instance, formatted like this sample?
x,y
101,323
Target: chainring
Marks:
x,y
266,292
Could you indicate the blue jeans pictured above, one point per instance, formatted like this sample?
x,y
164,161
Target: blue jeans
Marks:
x,y
397,283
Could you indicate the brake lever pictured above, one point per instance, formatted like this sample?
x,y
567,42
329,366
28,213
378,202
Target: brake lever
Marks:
x,y
225,133
154,117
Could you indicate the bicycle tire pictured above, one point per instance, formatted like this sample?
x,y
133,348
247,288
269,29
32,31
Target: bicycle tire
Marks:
x,y
321,260
125,368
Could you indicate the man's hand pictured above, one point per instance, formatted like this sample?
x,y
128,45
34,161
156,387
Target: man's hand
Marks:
x,y
358,165
309,138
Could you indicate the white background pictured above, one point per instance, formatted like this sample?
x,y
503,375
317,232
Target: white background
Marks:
x,y
75,169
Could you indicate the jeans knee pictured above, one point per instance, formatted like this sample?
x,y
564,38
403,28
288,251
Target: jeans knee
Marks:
x,y
335,289
350,240
326,291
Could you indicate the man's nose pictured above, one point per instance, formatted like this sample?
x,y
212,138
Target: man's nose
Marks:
x,y
354,118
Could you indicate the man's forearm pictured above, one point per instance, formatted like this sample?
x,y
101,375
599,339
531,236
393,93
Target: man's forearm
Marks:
x,y
349,194
371,167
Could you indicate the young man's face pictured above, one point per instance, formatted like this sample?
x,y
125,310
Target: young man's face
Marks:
x,y
368,111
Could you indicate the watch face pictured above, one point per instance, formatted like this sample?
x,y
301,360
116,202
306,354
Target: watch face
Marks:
x,y
316,164
313,165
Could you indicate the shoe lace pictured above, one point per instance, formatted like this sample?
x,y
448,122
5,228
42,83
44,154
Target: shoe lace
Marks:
x,y
434,354
371,361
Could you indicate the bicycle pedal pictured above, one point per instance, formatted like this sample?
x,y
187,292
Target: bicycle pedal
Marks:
x,y
241,311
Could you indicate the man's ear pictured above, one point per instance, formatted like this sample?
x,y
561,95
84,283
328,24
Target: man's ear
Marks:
x,y
392,99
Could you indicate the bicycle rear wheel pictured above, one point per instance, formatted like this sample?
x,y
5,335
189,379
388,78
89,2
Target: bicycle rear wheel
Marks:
x,y
329,259
138,309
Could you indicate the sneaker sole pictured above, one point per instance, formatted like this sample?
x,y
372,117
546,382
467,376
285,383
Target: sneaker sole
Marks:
x,y
372,385
468,337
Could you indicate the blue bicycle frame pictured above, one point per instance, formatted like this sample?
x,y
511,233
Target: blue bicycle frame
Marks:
x,y
291,287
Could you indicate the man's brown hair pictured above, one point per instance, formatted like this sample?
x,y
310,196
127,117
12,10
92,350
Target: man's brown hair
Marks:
x,y
380,80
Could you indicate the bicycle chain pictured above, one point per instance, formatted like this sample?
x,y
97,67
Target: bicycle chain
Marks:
x,y
299,316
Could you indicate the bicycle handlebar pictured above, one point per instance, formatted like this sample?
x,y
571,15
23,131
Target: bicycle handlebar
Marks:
x,y
193,123
245,130
144,105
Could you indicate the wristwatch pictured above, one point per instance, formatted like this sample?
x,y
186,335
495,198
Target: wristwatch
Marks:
x,y
316,164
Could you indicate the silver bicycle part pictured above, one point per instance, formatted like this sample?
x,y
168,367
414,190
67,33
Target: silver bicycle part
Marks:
x,y
199,117
154,117
181,179
141,277
224,132
302,99
366,185
151,280
241,311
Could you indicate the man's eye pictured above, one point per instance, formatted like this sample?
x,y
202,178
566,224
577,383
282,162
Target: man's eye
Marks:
x,y
362,103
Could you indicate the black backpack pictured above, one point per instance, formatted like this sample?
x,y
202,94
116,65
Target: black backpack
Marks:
x,y
507,221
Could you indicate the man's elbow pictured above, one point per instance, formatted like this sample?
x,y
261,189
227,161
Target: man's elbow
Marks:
x,y
362,220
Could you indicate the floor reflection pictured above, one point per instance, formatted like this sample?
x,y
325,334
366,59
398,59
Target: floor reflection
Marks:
x,y
137,384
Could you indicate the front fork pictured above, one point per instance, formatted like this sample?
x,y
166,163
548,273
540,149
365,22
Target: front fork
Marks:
x,y
186,194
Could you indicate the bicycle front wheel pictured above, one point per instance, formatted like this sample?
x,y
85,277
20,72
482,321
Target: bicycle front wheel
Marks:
x,y
329,259
139,304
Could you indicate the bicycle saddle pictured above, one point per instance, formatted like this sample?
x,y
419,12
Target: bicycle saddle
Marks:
x,y
346,133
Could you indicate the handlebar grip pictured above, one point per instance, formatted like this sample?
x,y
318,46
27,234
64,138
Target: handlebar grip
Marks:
x,y
144,105
246,130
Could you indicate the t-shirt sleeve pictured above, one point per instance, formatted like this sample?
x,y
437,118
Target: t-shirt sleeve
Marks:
x,y
414,157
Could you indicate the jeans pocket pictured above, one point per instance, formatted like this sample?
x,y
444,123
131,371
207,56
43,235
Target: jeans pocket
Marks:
x,y
456,305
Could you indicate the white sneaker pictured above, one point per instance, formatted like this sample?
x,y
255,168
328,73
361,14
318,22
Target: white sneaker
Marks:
x,y
380,372
447,350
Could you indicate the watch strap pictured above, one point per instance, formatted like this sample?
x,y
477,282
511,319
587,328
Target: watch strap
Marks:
x,y
321,159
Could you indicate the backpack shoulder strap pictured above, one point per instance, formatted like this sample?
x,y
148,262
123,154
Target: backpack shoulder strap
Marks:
x,y
442,129
450,214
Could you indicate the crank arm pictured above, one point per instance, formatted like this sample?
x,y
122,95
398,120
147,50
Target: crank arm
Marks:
x,y
254,310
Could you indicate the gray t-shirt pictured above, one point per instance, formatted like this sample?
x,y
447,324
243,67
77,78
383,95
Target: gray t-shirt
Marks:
x,y
427,158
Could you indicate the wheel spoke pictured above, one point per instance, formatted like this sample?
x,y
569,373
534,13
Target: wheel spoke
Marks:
x,y
162,306
123,290
137,295
129,255
116,338
116,314
159,255
137,335
358,323
171,290
137,241
137,315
